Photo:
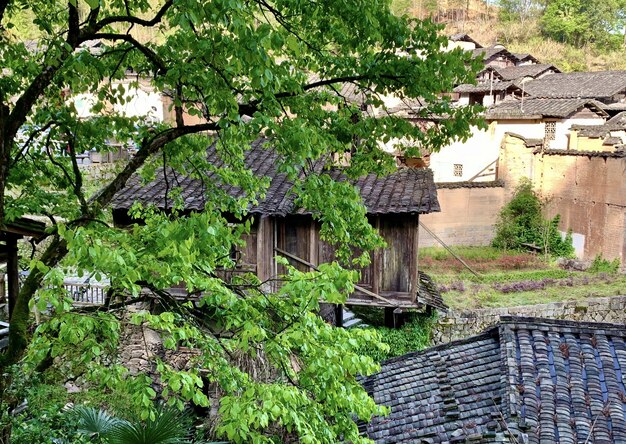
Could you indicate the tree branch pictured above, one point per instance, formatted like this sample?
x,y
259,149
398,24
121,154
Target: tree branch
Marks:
x,y
150,55
136,20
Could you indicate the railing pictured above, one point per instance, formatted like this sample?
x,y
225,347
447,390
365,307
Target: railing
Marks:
x,y
81,293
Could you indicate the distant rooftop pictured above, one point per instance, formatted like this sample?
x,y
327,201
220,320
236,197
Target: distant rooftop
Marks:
x,y
513,108
591,85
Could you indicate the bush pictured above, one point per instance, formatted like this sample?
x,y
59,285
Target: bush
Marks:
x,y
601,265
521,222
413,336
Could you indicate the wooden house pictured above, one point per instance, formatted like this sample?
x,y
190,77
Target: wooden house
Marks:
x,y
394,204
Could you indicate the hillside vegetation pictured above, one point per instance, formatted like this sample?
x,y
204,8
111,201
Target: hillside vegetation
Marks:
x,y
578,37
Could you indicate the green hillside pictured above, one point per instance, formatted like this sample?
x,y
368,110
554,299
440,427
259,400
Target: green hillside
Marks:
x,y
570,34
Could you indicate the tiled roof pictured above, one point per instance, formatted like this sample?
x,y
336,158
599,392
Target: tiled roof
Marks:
x,y
618,154
408,190
592,85
443,394
519,72
428,294
615,123
485,87
474,184
534,108
460,37
524,56
492,51
592,130
618,120
541,381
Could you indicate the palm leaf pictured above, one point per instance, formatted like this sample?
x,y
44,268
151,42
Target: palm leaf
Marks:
x,y
95,421
168,427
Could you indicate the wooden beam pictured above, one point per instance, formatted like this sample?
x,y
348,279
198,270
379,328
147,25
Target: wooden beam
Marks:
x,y
356,287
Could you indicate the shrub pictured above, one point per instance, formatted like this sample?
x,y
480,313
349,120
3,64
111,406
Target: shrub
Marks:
x,y
601,265
413,336
521,222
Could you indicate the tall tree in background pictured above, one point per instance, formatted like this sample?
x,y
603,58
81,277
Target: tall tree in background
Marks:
x,y
519,10
581,22
245,70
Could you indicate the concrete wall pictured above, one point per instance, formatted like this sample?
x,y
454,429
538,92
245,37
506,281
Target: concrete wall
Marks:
x,y
468,215
458,325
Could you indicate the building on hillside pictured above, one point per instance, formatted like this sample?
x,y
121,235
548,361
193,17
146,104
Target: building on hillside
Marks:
x,y
526,380
394,204
525,59
608,137
608,87
547,119
519,73
486,93
496,56
463,41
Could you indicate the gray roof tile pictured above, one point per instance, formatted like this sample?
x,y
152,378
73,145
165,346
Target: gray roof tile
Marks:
x,y
409,190
591,85
512,108
544,381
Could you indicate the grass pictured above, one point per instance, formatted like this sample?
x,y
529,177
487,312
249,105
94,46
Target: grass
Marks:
x,y
509,278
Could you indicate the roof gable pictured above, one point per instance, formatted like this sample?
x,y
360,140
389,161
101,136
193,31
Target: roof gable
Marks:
x,y
409,190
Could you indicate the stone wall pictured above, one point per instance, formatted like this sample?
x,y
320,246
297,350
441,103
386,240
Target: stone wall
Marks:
x,y
461,324
468,214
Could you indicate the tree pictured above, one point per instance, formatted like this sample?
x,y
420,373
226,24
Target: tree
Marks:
x,y
243,69
521,222
579,23
519,10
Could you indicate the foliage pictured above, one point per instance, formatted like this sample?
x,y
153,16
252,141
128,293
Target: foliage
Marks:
x,y
601,265
521,222
234,71
413,336
519,10
580,22
168,427
46,416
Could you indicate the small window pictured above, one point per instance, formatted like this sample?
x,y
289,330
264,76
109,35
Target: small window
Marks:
x,y
458,170
550,131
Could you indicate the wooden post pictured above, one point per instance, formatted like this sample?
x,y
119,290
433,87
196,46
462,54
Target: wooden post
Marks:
x,y
390,317
376,262
338,315
13,283
414,270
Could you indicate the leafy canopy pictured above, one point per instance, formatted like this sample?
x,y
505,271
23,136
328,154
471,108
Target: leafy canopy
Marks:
x,y
232,71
